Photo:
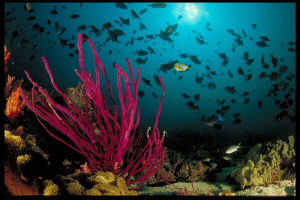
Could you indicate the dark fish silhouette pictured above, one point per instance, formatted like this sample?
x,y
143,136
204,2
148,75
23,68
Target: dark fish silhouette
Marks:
x,y
253,26
261,44
196,97
191,105
134,14
184,95
195,60
74,16
62,42
246,101
154,95
274,60
151,50
146,81
199,80
183,55
141,61
168,66
121,5
230,89
141,93
264,38
125,21
245,94
211,85
259,104
142,26
142,53
158,5
240,71
143,11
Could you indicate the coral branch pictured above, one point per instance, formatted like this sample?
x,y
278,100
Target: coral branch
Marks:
x,y
116,147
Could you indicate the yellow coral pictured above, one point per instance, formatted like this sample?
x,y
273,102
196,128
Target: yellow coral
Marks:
x,y
14,142
23,159
107,189
50,188
93,192
102,177
121,184
75,188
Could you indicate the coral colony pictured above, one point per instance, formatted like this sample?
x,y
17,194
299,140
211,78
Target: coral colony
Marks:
x,y
116,147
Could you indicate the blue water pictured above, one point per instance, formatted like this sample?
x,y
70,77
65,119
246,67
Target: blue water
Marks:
x,y
274,20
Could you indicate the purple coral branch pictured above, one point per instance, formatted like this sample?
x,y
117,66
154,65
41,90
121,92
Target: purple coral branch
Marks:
x,y
110,150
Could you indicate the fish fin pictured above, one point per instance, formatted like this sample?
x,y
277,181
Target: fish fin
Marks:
x,y
219,117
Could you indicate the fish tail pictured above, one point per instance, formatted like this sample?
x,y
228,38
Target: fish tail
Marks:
x,y
220,118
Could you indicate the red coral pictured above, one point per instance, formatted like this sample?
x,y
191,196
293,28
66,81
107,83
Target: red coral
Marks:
x,y
84,168
13,105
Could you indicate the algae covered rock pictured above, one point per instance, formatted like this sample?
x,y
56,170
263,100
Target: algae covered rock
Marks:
x,y
267,163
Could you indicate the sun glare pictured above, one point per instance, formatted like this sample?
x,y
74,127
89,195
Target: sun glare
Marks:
x,y
190,13
191,10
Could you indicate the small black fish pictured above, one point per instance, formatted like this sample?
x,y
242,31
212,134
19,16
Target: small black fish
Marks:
x,y
261,44
184,95
82,27
232,100
125,21
71,55
30,18
274,60
236,115
230,74
253,26
249,76
281,115
179,77
196,97
134,14
260,103
146,81
143,11
53,12
240,71
141,93
48,21
246,101
106,25
262,75
62,30
74,16
230,89
154,95
264,38
179,17
291,49
236,121
121,5
191,105
62,42
245,94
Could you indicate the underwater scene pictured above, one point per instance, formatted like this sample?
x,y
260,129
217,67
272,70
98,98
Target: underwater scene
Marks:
x,y
189,99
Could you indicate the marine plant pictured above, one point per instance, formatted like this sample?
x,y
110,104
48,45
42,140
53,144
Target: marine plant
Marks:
x,y
118,146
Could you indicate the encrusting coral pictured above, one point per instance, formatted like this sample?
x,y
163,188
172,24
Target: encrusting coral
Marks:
x,y
14,143
102,183
267,163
